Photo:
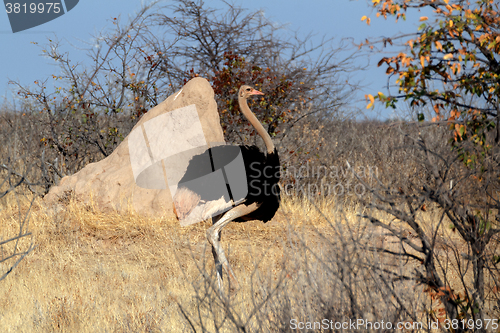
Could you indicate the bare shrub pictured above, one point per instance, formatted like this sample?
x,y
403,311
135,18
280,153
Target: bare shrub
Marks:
x,y
17,179
456,253
317,166
327,280
136,65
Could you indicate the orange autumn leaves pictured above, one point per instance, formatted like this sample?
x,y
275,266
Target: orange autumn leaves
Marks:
x,y
451,62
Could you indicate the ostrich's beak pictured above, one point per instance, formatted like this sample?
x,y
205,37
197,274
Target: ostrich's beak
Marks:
x,y
256,92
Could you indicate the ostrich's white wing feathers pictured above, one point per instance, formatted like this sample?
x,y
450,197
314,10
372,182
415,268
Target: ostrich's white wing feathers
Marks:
x,y
212,208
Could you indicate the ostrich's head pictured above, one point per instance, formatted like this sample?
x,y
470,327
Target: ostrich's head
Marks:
x,y
247,91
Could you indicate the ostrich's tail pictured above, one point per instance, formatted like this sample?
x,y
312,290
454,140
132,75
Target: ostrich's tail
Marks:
x,y
184,202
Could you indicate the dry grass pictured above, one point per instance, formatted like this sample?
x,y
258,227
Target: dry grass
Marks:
x,y
94,271
107,272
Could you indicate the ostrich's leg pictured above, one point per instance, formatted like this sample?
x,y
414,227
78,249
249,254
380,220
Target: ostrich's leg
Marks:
x,y
213,236
218,266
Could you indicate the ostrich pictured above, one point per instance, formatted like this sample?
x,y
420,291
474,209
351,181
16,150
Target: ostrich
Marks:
x,y
262,200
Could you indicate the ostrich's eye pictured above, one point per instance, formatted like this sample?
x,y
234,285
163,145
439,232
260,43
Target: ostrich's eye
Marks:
x,y
248,89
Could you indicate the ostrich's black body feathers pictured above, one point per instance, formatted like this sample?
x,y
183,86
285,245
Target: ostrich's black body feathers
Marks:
x,y
262,173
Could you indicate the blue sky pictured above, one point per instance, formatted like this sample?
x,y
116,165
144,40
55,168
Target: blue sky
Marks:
x,y
22,61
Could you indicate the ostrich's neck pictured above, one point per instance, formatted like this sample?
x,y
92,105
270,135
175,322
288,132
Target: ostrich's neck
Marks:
x,y
256,124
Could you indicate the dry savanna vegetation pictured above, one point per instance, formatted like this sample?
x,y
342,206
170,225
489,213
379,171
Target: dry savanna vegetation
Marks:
x,y
394,221
319,258
93,271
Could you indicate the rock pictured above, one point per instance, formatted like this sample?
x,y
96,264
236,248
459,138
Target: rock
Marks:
x,y
112,182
